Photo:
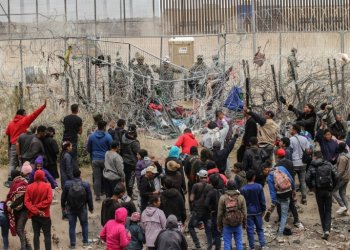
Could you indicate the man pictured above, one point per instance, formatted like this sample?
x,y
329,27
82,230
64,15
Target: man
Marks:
x,y
142,72
76,196
328,145
321,177
23,142
293,64
232,216
299,144
38,199
99,143
199,211
340,128
36,147
214,133
250,130
120,131
17,126
51,150
220,156
129,148
4,225
267,131
281,185
198,71
305,118
171,237
72,126
186,141
147,188
111,129
253,159
256,207
120,80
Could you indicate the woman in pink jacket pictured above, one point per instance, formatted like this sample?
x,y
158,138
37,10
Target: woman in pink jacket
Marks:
x,y
114,233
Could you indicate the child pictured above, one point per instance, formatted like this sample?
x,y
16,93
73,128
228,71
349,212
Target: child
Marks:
x,y
136,231
38,164
66,163
256,206
143,161
114,232
240,175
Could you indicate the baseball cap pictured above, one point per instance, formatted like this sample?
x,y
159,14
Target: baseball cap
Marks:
x,y
281,152
202,173
151,169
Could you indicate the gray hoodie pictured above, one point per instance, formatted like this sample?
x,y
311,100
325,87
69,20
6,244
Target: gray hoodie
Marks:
x,y
215,135
171,238
153,221
114,168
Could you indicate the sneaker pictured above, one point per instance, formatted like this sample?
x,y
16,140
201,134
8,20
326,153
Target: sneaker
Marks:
x,y
304,201
267,216
325,236
87,245
279,239
341,210
299,225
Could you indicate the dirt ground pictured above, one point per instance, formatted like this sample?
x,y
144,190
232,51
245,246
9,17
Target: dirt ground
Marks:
x,y
310,238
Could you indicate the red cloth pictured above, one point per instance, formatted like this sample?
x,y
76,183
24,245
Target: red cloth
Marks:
x,y
114,232
186,141
19,124
38,196
216,170
17,189
155,107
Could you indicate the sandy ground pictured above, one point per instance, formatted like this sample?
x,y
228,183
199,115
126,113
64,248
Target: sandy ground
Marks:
x,y
302,239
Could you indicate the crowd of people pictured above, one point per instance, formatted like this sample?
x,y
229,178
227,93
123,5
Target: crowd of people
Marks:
x,y
144,198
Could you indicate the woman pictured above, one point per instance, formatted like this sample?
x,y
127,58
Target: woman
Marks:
x,y
66,163
153,221
174,155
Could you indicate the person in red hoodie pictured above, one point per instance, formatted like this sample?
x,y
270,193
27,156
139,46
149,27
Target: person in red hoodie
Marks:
x,y
37,200
17,126
114,233
186,141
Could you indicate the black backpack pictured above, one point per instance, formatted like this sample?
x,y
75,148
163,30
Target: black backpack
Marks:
x,y
257,160
76,198
324,176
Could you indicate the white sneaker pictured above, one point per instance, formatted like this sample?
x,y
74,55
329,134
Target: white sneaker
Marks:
x,y
299,225
341,210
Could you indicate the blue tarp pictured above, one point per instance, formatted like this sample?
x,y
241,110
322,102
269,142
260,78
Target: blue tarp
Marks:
x,y
234,100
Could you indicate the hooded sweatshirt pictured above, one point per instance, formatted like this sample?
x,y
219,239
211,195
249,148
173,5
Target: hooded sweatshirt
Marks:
x,y
153,221
328,148
99,143
38,196
114,233
114,168
171,238
343,167
186,141
19,124
215,135
172,202
141,165
130,147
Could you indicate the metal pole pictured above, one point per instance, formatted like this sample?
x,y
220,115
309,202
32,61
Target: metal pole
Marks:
x,y
95,17
37,13
9,17
342,42
129,55
65,10
280,63
124,17
224,52
76,10
67,94
88,79
21,58
21,95
109,75
330,74
253,26
78,90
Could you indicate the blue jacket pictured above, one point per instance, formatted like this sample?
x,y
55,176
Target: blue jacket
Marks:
x,y
328,148
137,236
255,198
66,188
99,143
271,183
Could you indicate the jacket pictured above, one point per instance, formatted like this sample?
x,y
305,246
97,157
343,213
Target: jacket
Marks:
x,y
99,143
249,158
47,178
271,183
114,168
215,134
152,221
65,192
109,206
146,189
137,236
216,171
38,196
250,130
220,155
114,232
284,162
298,143
305,120
66,168
19,124
172,202
170,238
51,151
328,148
255,198
240,179
35,149
129,149
267,129
186,141
141,165
310,177
343,165
177,180
221,207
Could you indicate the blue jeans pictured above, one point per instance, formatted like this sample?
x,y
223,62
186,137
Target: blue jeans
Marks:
x,y
255,220
284,214
195,219
4,230
83,218
237,233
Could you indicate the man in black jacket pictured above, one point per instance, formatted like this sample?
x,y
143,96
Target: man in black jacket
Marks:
x,y
147,186
220,156
250,130
321,177
305,118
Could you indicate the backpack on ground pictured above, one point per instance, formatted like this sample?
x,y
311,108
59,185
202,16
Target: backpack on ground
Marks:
x,y
324,176
282,182
76,198
233,215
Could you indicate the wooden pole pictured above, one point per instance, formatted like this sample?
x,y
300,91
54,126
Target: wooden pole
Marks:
x,y
67,94
275,84
336,75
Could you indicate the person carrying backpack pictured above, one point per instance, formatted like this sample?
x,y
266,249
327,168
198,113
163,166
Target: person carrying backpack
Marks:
x,y
253,159
321,178
343,168
75,199
281,185
232,216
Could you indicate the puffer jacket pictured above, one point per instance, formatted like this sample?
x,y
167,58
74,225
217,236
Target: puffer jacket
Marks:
x,y
114,232
186,141
152,221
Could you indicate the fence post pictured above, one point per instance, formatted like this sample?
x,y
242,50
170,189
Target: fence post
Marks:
x,y
342,44
109,75
20,94
88,79
21,58
78,88
280,62
67,94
